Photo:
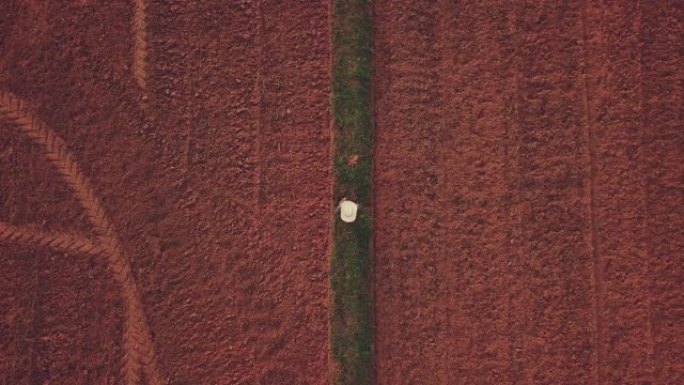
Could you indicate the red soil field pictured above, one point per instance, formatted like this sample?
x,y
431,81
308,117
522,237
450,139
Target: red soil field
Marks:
x,y
528,192
164,192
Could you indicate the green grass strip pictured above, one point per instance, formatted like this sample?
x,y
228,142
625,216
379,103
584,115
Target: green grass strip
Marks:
x,y
352,261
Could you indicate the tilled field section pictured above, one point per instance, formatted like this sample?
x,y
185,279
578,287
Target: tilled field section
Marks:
x,y
528,193
164,192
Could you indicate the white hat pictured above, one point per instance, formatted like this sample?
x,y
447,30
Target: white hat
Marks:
x,y
348,211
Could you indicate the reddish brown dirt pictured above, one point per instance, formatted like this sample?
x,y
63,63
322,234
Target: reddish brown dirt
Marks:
x,y
528,193
214,176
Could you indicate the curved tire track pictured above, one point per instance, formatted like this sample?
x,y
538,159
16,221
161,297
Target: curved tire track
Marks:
x,y
138,343
62,242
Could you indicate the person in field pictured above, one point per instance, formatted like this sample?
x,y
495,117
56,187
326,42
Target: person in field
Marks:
x,y
347,210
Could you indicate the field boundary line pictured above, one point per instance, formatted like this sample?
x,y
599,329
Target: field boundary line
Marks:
x,y
351,260
137,337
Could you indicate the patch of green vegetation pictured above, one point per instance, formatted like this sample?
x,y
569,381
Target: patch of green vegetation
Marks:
x,y
352,262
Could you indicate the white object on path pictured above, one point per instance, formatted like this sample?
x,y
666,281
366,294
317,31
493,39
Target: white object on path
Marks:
x,y
348,211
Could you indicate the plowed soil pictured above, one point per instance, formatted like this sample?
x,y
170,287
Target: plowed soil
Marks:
x,y
202,131
528,192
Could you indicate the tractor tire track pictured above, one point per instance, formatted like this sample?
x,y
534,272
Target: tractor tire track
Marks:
x,y
138,343
410,68
661,141
62,242
140,44
612,78
260,89
590,149
552,190
436,127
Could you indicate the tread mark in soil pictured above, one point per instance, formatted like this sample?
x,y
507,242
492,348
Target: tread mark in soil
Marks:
x,y
140,44
597,275
260,85
62,242
644,194
138,343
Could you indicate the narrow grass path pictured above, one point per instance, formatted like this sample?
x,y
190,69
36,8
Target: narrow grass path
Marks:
x,y
352,261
